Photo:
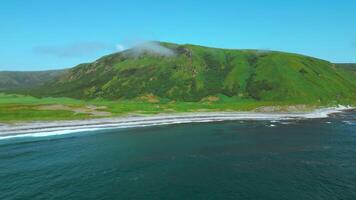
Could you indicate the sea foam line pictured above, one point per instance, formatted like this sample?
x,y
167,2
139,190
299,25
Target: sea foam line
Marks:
x,y
68,127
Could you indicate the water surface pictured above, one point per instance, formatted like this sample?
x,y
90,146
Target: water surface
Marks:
x,y
305,159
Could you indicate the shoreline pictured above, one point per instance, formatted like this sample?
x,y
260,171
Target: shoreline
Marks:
x,y
41,129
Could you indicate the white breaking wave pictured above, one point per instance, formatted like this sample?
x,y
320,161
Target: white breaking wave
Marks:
x,y
349,122
45,129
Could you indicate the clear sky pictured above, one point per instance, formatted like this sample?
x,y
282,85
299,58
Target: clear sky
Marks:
x,y
47,34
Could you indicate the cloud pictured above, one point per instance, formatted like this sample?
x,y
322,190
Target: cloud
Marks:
x,y
120,47
150,47
75,49
80,49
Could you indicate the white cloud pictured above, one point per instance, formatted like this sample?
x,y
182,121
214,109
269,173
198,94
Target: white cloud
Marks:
x,y
151,47
75,49
120,47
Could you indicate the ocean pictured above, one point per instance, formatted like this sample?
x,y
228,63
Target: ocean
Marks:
x,y
294,159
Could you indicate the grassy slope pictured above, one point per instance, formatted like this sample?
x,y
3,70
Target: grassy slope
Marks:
x,y
24,80
198,72
25,108
349,67
196,79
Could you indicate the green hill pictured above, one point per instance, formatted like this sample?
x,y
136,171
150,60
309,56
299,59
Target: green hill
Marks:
x,y
10,80
195,73
348,67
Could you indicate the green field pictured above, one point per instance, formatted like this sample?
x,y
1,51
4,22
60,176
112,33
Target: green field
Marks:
x,y
16,108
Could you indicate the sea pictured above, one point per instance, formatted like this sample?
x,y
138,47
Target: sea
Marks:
x,y
243,159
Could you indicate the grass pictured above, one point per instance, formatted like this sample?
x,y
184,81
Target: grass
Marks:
x,y
24,108
11,80
27,113
29,100
195,79
15,108
196,72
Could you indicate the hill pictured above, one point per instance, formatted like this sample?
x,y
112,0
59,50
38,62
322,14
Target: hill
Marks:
x,y
350,67
14,81
195,73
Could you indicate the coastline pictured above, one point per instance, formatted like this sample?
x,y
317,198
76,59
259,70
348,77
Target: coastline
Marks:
x,y
41,129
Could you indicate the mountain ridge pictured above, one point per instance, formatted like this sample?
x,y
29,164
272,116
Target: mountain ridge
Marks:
x,y
24,80
188,72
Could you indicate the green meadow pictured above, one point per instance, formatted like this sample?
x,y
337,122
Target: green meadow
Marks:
x,y
16,108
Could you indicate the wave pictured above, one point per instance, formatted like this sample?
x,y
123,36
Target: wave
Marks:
x,y
42,129
349,122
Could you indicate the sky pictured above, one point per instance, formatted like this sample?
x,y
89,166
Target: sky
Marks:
x,y
47,34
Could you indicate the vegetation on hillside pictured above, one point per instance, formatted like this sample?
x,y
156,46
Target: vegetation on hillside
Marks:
x,y
348,68
14,108
194,73
15,81
177,78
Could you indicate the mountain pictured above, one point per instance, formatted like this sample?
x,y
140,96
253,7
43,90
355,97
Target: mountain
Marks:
x,y
11,80
348,67
194,73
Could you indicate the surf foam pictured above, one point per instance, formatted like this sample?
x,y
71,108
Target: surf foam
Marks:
x,y
43,129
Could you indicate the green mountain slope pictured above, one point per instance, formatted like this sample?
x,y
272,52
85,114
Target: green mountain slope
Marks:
x,y
348,67
25,80
194,73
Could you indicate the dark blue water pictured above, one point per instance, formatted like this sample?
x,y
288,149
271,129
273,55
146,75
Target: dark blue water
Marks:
x,y
309,159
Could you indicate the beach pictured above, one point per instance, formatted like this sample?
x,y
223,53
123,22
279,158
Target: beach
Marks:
x,y
40,129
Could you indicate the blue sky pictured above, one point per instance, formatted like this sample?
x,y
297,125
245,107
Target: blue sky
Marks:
x,y
47,34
